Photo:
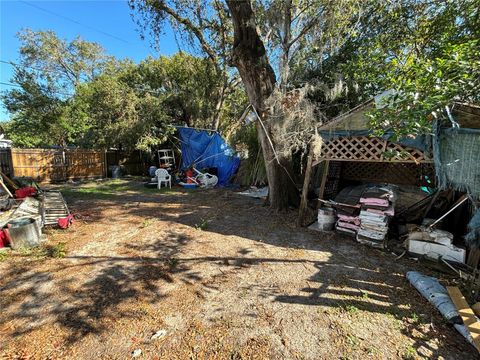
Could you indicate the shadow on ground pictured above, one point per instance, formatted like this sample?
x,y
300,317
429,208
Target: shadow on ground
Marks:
x,y
82,292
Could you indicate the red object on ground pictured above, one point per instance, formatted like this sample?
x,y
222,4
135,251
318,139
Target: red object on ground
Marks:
x,y
189,175
65,222
4,238
25,192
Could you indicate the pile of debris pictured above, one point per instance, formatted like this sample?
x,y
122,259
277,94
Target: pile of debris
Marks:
x,y
347,207
377,209
366,212
451,303
26,209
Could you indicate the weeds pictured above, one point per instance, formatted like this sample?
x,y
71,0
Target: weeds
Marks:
x,y
409,353
415,317
109,189
147,222
351,309
3,255
202,225
352,340
57,251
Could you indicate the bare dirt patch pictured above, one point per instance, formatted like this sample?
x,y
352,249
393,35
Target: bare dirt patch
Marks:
x,y
222,275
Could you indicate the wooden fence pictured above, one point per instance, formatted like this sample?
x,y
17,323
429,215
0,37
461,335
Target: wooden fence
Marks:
x,y
51,165
46,165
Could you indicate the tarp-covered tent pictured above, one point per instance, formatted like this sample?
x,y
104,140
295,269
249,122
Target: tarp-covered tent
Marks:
x,y
204,149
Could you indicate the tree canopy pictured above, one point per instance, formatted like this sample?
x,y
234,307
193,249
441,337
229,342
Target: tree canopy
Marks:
x,y
71,93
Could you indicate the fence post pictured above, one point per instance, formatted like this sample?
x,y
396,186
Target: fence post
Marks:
x,y
105,163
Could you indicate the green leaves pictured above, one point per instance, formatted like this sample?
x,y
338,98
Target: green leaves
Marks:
x,y
425,86
72,94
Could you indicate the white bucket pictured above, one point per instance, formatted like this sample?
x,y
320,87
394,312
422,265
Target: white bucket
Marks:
x,y
326,219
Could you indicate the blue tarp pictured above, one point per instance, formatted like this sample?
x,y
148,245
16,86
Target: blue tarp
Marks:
x,y
204,149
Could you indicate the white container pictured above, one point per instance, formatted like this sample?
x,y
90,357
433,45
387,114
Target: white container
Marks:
x,y
434,250
326,215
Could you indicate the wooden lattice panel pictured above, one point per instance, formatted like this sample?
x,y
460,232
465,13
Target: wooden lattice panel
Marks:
x,y
364,148
403,154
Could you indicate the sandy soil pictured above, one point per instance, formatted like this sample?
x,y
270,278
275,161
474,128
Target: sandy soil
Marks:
x,y
224,278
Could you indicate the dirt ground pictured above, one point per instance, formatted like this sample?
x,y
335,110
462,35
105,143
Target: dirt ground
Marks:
x,y
222,276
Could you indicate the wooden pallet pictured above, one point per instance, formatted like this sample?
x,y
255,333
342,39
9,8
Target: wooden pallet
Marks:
x,y
369,149
54,207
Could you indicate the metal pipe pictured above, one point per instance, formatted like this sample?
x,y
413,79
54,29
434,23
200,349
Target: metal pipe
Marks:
x,y
460,202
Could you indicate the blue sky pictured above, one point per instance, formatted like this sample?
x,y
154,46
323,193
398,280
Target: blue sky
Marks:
x,y
106,22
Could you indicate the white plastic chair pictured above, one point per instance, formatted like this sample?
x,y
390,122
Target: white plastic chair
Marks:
x,y
163,177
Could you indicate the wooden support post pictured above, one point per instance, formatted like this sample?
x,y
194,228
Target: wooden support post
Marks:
x,y
473,258
4,187
302,213
9,181
324,181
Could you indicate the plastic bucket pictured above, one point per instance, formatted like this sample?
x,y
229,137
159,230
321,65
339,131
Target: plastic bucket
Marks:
x,y
326,219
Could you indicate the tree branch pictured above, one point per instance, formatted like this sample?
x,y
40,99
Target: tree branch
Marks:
x,y
195,31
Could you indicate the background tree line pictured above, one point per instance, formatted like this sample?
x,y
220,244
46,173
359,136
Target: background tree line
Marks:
x,y
70,93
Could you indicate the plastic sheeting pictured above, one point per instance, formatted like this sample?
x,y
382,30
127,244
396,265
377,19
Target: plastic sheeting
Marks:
x,y
203,149
438,296
457,159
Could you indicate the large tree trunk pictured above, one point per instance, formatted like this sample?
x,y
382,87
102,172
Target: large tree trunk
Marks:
x,y
250,58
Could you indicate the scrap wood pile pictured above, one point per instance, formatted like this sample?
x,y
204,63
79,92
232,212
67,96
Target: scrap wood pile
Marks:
x,y
25,209
366,213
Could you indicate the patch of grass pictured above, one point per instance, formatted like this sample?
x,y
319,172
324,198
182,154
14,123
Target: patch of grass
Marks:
x,y
57,251
202,225
148,222
54,251
3,255
409,353
110,188
365,296
414,317
352,341
351,309
33,253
